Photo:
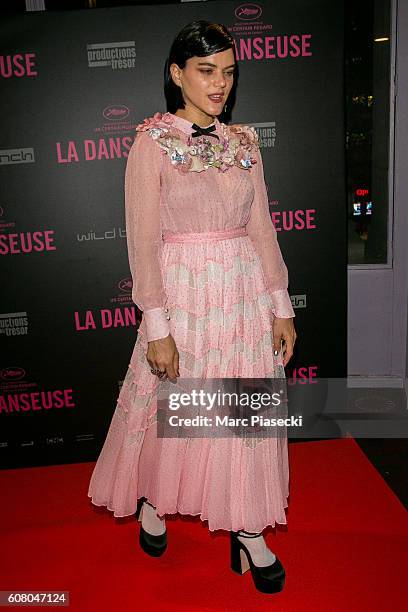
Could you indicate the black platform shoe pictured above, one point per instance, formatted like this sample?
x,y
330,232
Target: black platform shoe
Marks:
x,y
268,579
153,545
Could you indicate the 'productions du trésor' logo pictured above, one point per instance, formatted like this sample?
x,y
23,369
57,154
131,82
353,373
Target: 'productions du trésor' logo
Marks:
x,y
115,55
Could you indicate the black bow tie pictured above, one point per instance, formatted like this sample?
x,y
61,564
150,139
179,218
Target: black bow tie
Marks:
x,y
200,131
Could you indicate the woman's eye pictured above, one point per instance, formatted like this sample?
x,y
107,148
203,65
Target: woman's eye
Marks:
x,y
209,71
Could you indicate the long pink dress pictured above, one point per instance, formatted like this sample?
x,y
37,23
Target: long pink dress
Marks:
x,y
218,298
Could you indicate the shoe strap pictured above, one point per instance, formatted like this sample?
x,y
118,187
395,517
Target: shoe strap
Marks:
x,y
149,504
247,534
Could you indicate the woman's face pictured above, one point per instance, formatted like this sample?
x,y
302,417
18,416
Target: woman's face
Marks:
x,y
203,77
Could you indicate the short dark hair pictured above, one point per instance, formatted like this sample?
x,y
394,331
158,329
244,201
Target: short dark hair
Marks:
x,y
198,38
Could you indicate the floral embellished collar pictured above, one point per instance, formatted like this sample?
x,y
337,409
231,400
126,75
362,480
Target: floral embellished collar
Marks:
x,y
236,145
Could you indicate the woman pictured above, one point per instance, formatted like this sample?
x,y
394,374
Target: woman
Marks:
x,y
209,276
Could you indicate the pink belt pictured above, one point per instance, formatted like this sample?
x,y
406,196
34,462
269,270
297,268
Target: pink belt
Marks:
x,y
232,232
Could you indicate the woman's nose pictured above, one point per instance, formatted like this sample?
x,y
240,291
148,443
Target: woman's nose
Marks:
x,y
220,82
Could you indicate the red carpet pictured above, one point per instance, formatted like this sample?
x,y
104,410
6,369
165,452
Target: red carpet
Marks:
x,y
345,546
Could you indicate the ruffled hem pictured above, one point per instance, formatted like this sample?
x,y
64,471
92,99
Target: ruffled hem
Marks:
x,y
199,514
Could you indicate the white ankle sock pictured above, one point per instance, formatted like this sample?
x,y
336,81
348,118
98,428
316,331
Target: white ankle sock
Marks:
x,y
261,555
152,523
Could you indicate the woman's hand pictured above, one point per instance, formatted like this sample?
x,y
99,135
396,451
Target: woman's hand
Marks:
x,y
283,329
162,354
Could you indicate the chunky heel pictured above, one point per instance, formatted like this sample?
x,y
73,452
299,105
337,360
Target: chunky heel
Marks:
x,y
138,512
267,579
239,560
153,545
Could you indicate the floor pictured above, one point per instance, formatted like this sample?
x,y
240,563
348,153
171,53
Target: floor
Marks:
x,y
389,456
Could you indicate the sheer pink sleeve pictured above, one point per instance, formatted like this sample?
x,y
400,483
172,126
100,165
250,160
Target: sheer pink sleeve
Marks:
x,y
144,234
263,234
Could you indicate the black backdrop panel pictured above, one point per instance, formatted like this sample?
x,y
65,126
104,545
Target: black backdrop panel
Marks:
x,y
67,322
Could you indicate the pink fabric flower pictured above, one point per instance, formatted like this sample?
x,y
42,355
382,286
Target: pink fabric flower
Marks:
x,y
167,118
150,122
240,154
247,134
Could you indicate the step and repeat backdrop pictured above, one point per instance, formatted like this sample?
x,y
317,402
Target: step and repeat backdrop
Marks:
x,y
74,84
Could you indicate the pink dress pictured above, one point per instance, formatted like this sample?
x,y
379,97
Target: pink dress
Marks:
x,y
206,267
